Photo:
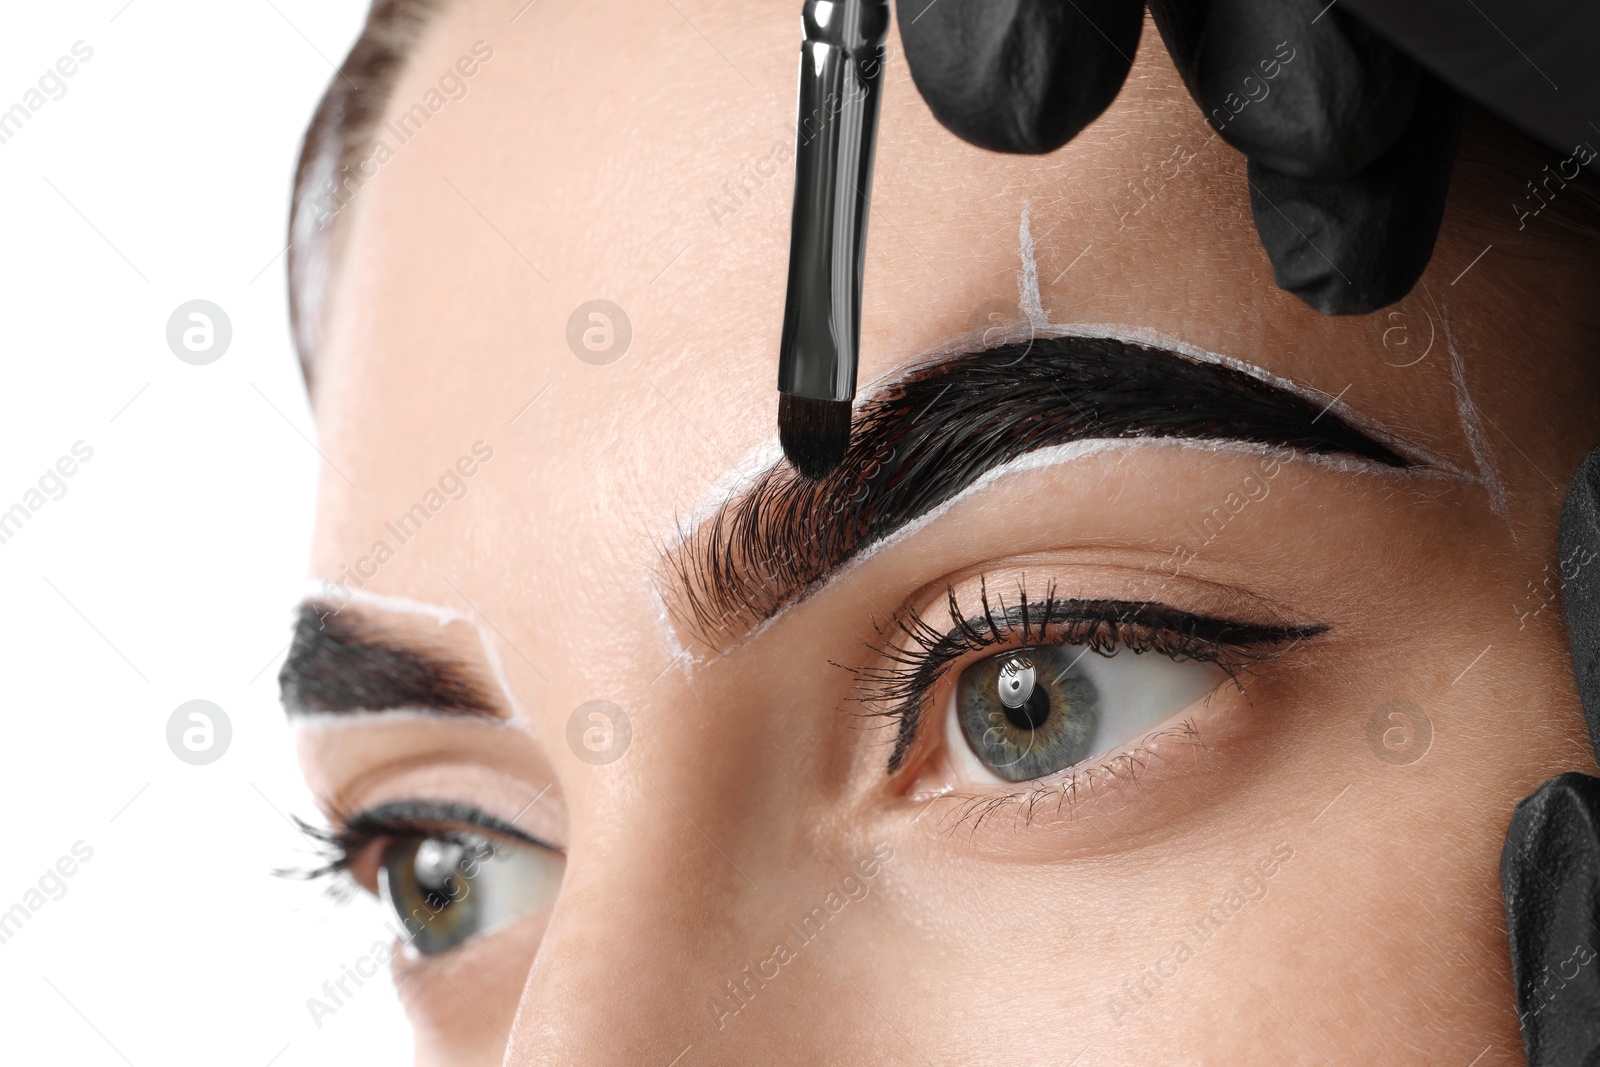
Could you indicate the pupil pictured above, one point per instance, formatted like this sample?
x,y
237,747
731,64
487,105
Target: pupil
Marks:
x,y
1032,712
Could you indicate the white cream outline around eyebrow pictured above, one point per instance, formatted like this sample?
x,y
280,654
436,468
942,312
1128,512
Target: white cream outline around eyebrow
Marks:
x,y
1028,280
319,591
1031,305
1477,440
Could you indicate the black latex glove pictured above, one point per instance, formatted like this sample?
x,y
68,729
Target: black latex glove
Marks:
x,y
1550,867
1349,142
1531,61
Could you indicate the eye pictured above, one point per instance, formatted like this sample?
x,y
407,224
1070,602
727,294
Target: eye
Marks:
x,y
1030,712
1062,679
448,889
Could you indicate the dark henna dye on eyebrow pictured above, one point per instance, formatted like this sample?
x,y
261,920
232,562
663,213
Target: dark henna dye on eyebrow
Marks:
x,y
339,662
937,431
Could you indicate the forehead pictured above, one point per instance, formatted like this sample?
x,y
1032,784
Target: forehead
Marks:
x,y
576,255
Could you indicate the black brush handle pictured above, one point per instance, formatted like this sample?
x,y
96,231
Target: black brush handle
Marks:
x,y
841,72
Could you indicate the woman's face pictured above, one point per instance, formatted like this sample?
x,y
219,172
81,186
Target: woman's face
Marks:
x,y
920,815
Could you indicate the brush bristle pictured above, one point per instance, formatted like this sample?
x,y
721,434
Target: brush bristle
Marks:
x,y
814,433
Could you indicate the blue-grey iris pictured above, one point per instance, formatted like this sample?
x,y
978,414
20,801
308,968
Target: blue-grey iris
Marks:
x,y
1030,712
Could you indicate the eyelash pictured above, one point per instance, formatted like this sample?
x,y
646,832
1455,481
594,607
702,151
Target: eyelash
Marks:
x,y
350,836
919,654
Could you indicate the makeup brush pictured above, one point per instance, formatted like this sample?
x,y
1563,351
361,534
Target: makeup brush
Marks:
x,y
841,71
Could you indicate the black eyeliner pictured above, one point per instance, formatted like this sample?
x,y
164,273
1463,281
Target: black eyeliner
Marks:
x,y
425,814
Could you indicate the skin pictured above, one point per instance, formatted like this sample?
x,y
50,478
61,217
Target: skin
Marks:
x,y
587,149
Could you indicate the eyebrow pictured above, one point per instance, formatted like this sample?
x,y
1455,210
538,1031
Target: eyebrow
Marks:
x,y
936,431
342,663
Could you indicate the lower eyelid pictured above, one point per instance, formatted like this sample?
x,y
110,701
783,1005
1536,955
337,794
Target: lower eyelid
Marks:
x,y
1082,790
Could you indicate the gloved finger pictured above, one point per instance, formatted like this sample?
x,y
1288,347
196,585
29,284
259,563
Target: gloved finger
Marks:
x,y
1019,75
1580,585
1353,246
1293,84
1550,882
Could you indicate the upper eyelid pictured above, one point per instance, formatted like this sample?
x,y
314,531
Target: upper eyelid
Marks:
x,y
1049,613
421,815
350,835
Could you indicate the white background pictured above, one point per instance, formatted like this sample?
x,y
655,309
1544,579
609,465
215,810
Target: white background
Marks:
x,y
168,570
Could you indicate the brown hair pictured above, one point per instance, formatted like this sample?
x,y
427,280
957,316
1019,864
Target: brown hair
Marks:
x,y
1497,158
351,108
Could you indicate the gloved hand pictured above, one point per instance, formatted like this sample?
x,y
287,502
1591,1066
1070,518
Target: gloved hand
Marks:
x,y
1550,866
1349,142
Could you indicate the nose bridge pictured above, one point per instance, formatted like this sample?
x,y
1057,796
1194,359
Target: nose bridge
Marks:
x,y
680,941
715,890
661,908
694,924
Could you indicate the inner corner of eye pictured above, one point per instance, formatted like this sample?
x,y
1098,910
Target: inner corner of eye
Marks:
x,y
361,866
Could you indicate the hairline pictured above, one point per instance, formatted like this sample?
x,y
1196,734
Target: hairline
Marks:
x,y
341,128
